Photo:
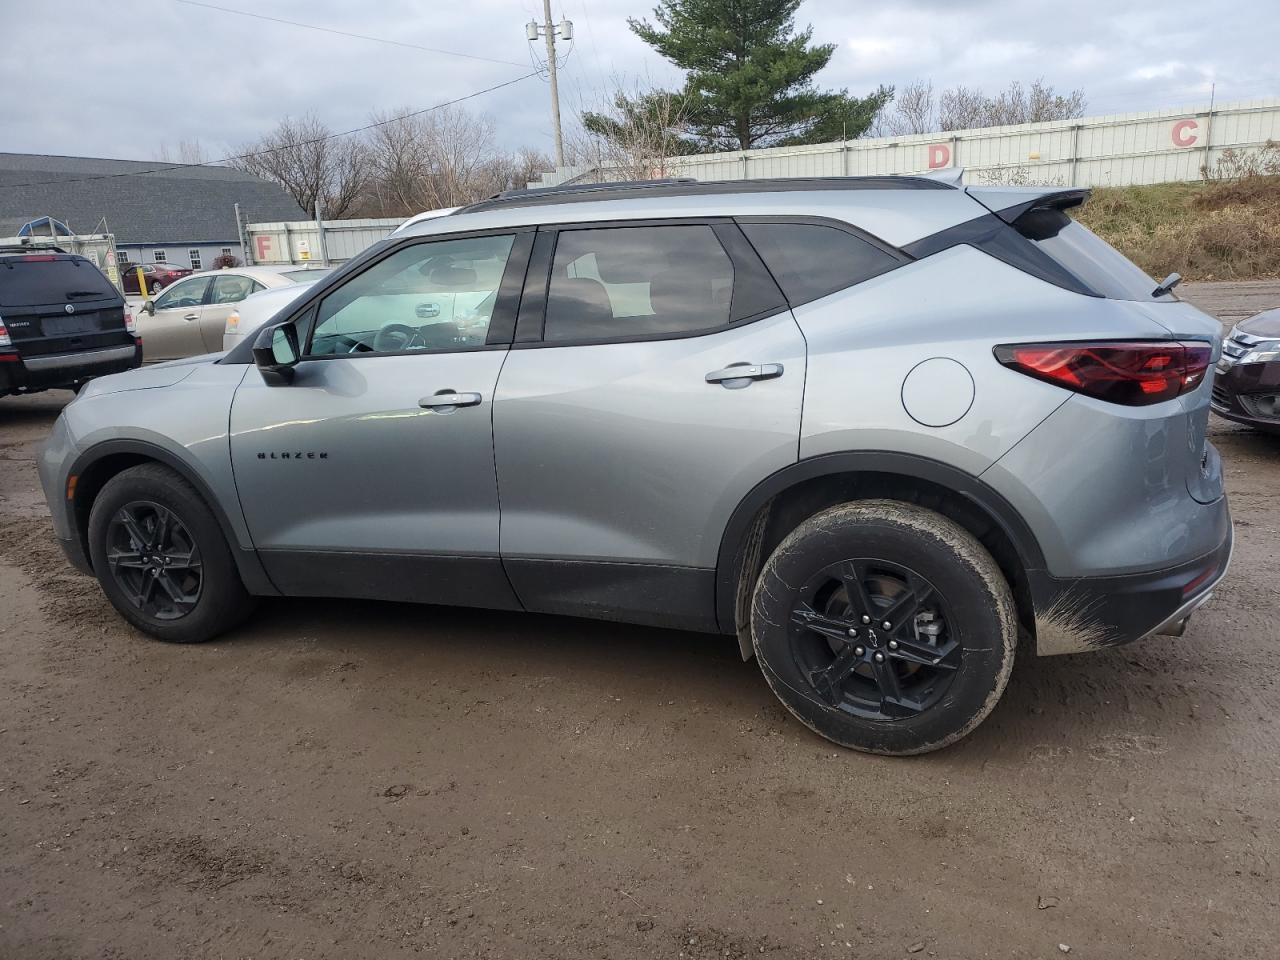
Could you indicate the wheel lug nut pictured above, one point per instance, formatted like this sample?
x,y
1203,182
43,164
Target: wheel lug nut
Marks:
x,y
893,644
879,658
859,651
865,618
887,625
853,631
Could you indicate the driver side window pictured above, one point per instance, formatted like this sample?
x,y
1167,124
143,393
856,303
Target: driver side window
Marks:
x,y
432,296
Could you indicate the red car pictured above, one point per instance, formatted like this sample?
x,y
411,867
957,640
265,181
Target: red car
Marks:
x,y
159,276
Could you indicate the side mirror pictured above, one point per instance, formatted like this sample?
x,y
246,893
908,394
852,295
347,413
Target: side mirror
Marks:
x,y
149,308
276,353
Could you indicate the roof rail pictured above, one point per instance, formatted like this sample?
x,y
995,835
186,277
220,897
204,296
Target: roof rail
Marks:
x,y
688,187
521,197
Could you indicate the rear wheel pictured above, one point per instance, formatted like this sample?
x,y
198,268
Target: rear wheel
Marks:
x,y
884,627
161,558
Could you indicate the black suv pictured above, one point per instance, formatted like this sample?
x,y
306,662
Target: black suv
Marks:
x,y
62,322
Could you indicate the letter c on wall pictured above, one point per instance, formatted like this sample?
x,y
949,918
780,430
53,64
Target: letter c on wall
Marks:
x,y
939,155
1184,133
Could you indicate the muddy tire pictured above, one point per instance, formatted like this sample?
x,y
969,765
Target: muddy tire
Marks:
x,y
162,559
884,627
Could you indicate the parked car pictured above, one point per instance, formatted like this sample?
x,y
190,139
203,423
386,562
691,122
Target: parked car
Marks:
x,y
189,317
158,276
1247,387
877,428
254,312
62,322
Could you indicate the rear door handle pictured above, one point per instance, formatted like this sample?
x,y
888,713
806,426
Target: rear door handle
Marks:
x,y
450,399
746,371
192,316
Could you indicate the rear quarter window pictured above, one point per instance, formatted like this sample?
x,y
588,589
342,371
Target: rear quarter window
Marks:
x,y
812,260
33,282
1081,252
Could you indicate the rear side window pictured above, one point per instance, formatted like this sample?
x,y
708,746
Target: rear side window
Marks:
x,y
233,289
655,281
811,260
29,282
1085,255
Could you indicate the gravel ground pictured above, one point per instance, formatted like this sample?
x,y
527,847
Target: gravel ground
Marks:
x,y
346,779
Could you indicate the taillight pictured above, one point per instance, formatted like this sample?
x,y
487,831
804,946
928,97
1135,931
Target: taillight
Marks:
x,y
4,336
130,324
1132,373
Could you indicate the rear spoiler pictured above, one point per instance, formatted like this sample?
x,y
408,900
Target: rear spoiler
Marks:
x,y
1009,203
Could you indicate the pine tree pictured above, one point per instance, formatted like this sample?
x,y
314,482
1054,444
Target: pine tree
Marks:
x,y
750,74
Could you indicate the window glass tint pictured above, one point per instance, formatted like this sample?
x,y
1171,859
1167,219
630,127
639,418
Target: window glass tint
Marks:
x,y
232,289
1083,253
810,260
27,283
637,281
430,296
184,293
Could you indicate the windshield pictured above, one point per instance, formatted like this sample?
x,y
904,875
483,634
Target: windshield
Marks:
x,y
1080,251
30,281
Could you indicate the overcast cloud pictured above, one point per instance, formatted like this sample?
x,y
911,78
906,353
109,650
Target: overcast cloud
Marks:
x,y
117,79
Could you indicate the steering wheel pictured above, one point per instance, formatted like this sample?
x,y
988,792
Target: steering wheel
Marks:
x,y
393,337
352,344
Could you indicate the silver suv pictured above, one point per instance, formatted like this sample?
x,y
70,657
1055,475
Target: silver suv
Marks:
x,y
879,429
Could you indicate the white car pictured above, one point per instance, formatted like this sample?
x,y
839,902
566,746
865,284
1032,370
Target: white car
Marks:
x,y
188,317
253,311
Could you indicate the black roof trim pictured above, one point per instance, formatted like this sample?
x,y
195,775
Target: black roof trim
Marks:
x,y
589,192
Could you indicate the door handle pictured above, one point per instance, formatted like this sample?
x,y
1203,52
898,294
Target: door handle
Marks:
x,y
192,316
449,398
746,371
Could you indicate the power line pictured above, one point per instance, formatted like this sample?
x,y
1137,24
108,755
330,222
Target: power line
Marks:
x,y
262,153
343,33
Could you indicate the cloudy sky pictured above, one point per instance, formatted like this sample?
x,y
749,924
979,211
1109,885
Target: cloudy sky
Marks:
x,y
121,78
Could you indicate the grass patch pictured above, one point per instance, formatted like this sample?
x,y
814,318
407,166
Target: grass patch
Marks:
x,y
1220,229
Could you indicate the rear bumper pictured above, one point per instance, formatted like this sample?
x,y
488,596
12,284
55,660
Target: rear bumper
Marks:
x,y
65,369
1089,613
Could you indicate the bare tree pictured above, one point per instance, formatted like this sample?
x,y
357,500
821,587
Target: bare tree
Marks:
x,y
914,109
962,108
440,159
634,133
910,111
305,158
186,152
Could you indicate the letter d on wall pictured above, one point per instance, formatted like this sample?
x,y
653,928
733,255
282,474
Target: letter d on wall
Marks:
x,y
939,155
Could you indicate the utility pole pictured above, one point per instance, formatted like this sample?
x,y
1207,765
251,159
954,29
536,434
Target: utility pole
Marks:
x,y
549,30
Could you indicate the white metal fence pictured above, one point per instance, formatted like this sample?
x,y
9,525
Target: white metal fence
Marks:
x,y
301,241
1115,150
1156,147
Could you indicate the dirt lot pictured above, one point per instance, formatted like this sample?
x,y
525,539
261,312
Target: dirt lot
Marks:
x,y
365,780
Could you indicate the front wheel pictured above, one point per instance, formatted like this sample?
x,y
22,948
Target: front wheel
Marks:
x,y
884,627
161,557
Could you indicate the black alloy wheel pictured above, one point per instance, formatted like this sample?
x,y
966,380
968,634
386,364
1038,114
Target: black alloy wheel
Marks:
x,y
154,560
872,639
